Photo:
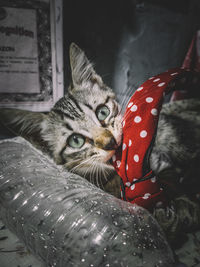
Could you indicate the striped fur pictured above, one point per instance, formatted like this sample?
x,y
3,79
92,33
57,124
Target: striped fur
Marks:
x,y
76,113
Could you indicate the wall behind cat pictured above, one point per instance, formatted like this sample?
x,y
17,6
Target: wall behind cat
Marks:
x,y
131,40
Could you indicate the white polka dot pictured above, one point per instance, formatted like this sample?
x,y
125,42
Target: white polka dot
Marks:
x,y
133,187
140,88
137,119
129,142
143,134
153,180
134,179
149,99
124,147
174,73
161,84
156,80
134,108
161,189
151,78
130,104
123,123
127,167
118,162
154,111
113,157
136,158
146,196
128,184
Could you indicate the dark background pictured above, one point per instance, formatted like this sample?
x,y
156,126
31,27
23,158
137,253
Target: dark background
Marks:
x,y
130,40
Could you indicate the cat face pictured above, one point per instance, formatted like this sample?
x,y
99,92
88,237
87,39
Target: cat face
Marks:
x,y
83,129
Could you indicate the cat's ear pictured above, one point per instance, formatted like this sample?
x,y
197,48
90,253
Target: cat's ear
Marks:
x,y
81,68
22,122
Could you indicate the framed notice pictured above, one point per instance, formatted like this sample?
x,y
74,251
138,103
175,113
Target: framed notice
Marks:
x,y
31,56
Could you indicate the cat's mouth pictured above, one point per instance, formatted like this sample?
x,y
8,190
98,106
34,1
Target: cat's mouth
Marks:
x,y
109,162
108,159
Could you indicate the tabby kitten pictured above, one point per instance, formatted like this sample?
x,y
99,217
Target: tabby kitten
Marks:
x,y
83,129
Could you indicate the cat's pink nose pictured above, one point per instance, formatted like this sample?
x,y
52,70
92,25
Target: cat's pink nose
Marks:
x,y
112,145
104,139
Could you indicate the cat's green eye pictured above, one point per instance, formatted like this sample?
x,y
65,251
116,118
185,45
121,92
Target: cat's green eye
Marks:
x,y
102,113
76,140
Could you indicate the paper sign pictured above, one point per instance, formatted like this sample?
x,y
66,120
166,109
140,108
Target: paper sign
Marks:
x,y
19,72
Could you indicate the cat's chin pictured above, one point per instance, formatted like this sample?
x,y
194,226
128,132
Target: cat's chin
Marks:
x,y
108,159
107,165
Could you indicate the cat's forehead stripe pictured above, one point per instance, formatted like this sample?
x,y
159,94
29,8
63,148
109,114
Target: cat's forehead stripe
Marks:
x,y
69,108
63,114
89,106
107,99
76,103
68,126
74,108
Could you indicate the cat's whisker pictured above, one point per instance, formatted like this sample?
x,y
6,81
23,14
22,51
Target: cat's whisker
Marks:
x,y
90,176
126,116
103,171
125,101
86,172
84,162
125,98
93,172
96,171
89,169
73,170
102,185
100,172
105,75
129,111
136,102
80,164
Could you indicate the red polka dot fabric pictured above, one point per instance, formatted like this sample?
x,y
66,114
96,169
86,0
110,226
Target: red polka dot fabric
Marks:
x,y
140,121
